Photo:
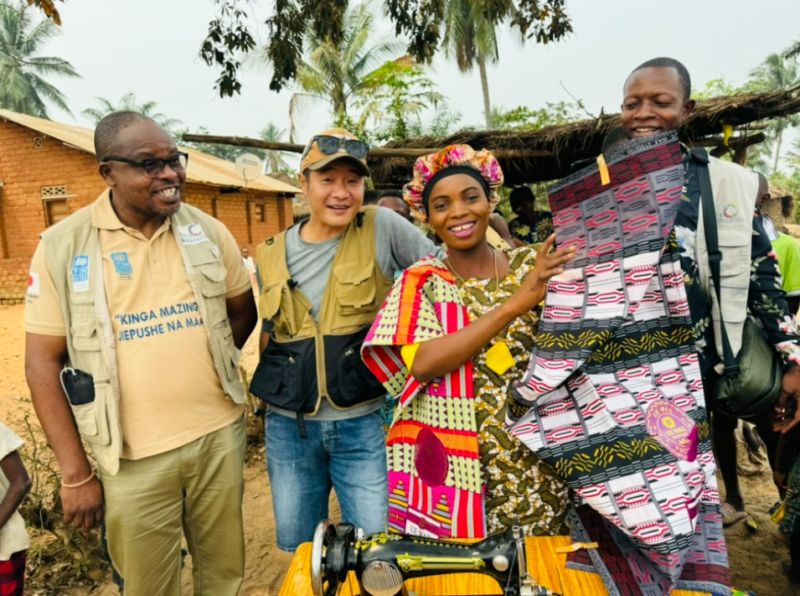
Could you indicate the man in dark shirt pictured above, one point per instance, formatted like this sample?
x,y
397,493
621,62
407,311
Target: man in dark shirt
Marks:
x,y
656,100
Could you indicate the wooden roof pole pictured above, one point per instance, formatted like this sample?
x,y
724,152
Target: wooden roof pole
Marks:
x,y
377,152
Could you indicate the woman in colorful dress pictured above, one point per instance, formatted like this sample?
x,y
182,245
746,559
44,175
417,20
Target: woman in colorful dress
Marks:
x,y
450,341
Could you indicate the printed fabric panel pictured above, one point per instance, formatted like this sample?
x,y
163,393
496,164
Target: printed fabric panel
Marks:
x,y
435,484
613,397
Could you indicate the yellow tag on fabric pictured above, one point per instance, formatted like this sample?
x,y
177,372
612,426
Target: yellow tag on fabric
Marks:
x,y
727,130
499,358
605,177
409,352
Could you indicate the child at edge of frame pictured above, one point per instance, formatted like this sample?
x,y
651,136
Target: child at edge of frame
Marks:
x,y
14,485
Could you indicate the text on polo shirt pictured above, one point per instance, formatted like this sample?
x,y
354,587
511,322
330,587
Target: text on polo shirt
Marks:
x,y
150,323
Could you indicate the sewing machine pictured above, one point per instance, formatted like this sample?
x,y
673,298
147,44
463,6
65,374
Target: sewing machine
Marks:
x,y
383,562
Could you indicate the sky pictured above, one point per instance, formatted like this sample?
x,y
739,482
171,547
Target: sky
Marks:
x,y
151,47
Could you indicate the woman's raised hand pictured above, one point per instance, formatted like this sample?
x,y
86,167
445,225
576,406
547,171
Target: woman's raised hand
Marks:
x,y
534,287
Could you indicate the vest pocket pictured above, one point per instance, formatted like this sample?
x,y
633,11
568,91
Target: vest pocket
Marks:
x,y
85,336
85,420
223,335
276,304
734,270
355,287
92,418
354,383
286,376
214,275
736,251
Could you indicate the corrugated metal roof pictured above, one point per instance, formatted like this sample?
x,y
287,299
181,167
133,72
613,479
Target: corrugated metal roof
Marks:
x,y
203,168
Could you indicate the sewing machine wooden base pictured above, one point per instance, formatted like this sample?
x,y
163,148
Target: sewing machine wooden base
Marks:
x,y
544,563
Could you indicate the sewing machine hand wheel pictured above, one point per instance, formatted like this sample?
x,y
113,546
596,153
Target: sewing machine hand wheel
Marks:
x,y
329,565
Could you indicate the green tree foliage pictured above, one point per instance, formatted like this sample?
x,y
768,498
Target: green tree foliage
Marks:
x,y
774,74
777,73
392,99
723,87
24,74
338,73
525,118
758,156
791,184
471,38
441,122
228,37
275,160
422,21
128,102
226,152
793,51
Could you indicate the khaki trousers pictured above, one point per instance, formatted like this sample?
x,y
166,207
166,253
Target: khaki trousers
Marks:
x,y
196,490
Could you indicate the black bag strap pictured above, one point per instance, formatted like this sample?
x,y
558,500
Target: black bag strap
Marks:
x,y
700,157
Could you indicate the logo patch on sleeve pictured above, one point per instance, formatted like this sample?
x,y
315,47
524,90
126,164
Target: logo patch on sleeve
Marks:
x,y
33,284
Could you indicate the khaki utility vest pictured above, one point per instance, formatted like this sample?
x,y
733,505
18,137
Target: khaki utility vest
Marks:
x,y
307,361
74,243
735,190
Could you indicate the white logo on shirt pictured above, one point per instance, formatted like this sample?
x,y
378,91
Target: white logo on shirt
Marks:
x,y
192,234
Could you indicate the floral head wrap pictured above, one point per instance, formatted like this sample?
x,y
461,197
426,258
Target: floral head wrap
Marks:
x,y
428,166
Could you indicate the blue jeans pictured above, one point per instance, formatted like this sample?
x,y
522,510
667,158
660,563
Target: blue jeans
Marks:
x,y
346,455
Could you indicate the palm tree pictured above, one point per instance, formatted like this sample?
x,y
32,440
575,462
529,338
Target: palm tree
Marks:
x,y
793,157
335,73
23,73
274,160
472,39
128,103
793,51
777,73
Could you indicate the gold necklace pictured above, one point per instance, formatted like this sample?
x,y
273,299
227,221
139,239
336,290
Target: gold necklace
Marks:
x,y
496,272
498,357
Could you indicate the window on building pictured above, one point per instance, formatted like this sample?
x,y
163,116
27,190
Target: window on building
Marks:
x,y
261,212
56,207
55,210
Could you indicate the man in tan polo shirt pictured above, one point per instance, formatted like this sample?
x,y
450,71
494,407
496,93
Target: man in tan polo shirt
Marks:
x,y
137,306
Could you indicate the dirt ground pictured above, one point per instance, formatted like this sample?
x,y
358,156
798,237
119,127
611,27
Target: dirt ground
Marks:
x,y
755,555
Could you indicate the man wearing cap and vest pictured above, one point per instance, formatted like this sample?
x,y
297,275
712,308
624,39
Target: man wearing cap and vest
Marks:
x,y
136,308
322,284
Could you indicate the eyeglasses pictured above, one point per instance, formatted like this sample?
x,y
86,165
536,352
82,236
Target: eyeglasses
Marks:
x,y
330,145
154,166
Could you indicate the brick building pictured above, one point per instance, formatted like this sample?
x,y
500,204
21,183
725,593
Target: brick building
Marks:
x,y
48,170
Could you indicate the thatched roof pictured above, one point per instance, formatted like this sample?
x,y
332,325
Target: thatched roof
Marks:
x,y
777,193
565,145
286,179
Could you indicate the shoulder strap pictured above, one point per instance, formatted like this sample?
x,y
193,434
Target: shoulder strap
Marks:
x,y
700,157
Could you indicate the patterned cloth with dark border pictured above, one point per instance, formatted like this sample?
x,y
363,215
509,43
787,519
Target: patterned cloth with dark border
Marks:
x,y
12,575
613,397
